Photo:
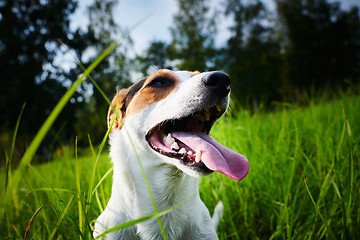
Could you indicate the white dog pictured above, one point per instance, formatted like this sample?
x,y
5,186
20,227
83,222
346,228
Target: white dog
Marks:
x,y
164,120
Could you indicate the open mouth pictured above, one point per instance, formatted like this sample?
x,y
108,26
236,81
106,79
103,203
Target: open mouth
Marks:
x,y
187,140
167,137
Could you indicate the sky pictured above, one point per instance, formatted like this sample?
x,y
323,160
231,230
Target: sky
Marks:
x,y
159,17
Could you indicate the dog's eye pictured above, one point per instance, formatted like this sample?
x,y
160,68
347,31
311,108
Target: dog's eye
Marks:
x,y
159,82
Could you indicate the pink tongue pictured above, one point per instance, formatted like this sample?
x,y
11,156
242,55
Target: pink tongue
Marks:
x,y
214,155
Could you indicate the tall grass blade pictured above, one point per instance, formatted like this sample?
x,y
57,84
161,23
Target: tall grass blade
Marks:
x,y
50,190
61,218
83,68
8,164
108,172
78,188
331,234
99,202
91,146
56,195
31,150
92,178
32,219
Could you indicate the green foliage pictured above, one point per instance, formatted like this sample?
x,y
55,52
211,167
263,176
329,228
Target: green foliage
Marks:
x,y
252,57
28,45
322,47
111,74
29,51
303,181
156,55
270,55
12,182
304,162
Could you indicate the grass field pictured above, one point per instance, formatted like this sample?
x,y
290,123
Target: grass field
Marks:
x,y
303,183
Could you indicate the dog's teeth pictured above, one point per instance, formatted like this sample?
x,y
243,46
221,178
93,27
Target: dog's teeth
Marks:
x,y
218,107
169,139
189,153
182,151
175,146
198,156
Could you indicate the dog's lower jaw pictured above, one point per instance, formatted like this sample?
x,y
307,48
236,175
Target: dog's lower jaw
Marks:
x,y
169,186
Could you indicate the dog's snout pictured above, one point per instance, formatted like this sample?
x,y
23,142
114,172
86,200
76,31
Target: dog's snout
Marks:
x,y
218,82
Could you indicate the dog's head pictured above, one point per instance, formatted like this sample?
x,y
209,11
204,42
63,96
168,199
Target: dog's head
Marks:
x,y
173,112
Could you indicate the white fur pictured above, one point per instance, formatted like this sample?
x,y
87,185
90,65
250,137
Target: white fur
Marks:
x,y
169,186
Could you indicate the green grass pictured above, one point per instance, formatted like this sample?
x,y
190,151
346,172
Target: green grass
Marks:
x,y
303,181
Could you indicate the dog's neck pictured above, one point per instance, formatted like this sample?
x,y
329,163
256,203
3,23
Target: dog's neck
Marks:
x,y
130,198
168,184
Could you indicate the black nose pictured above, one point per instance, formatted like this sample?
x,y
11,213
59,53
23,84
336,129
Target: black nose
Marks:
x,y
218,82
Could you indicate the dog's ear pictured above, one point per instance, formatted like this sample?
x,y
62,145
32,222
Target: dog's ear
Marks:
x,y
194,73
116,105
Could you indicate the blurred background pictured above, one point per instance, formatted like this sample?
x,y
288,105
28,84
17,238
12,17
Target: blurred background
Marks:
x,y
274,51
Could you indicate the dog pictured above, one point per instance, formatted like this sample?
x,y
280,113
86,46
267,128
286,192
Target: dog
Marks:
x,y
164,121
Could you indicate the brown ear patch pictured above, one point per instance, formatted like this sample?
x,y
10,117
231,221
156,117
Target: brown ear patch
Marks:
x,y
115,109
194,73
149,93
135,98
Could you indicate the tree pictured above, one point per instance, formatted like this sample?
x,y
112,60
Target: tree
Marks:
x,y
193,36
252,56
156,56
28,46
323,42
112,73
